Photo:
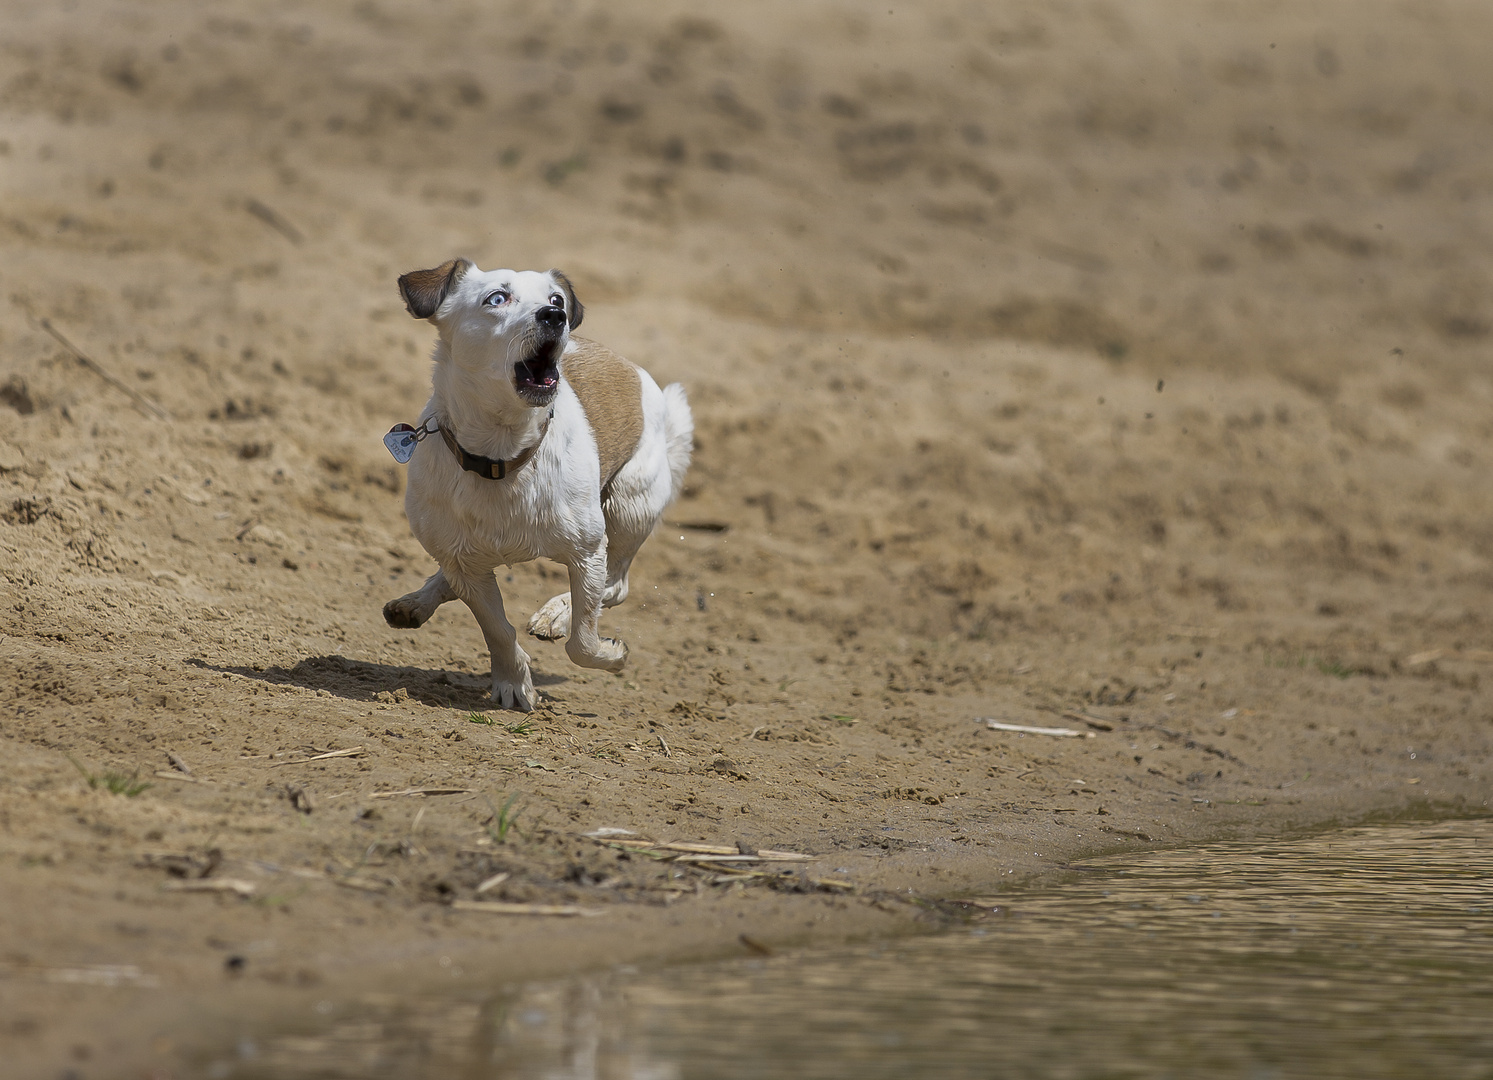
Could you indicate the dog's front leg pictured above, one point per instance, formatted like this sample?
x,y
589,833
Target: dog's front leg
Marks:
x,y
412,609
586,647
512,684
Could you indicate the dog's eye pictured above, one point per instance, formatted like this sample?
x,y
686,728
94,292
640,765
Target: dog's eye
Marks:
x,y
496,299
557,300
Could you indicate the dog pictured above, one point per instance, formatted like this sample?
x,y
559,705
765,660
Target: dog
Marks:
x,y
549,446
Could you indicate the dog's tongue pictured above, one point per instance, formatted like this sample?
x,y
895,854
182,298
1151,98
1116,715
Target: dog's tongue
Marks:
x,y
538,373
546,379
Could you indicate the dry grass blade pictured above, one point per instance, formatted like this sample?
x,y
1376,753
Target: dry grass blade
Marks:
x,y
688,852
109,975
697,849
362,884
162,774
493,882
738,857
351,751
1027,729
233,885
1430,656
421,791
494,907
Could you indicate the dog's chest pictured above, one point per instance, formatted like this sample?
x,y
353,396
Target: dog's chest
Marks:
x,y
610,393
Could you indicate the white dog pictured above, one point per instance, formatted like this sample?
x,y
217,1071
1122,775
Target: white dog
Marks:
x,y
550,445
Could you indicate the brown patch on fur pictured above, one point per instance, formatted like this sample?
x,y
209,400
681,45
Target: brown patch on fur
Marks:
x,y
612,396
425,290
572,305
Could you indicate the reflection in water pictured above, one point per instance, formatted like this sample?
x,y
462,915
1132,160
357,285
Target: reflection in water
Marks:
x,y
1366,953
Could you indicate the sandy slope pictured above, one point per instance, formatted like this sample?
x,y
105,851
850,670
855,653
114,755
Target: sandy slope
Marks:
x,y
1120,360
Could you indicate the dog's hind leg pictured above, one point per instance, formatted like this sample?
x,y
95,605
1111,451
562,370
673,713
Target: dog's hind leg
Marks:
x,y
512,683
413,609
625,536
552,621
586,646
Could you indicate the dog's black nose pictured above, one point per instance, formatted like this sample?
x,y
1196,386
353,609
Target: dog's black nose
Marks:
x,y
550,317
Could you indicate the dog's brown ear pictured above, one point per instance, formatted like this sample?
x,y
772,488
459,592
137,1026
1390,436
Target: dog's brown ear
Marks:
x,y
425,290
577,312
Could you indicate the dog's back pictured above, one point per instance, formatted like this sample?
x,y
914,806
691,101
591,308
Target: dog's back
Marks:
x,y
608,387
610,392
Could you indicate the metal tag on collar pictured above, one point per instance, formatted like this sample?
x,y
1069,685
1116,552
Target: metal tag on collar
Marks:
x,y
402,438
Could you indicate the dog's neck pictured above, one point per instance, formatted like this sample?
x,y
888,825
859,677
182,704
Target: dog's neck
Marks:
x,y
487,417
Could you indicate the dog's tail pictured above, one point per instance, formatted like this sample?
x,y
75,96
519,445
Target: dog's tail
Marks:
x,y
679,435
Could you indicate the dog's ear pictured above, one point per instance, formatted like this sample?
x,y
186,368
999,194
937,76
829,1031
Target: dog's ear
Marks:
x,y
577,312
425,290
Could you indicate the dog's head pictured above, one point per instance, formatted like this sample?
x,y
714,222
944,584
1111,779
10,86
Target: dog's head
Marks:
x,y
513,323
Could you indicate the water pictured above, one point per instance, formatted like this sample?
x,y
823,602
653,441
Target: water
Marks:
x,y
1364,953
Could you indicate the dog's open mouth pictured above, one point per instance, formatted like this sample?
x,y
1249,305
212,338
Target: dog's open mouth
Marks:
x,y
537,379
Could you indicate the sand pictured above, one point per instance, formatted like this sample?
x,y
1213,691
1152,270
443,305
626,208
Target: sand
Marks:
x,y
1115,367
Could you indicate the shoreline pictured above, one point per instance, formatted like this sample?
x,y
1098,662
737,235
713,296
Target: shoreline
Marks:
x,y
168,1026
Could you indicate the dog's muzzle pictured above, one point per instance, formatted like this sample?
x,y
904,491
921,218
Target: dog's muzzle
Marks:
x,y
537,376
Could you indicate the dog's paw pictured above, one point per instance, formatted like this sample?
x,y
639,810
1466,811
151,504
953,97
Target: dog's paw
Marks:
x,y
552,621
610,655
518,696
406,613
615,653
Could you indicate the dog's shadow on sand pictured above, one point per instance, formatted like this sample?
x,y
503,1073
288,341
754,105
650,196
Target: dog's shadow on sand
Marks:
x,y
361,680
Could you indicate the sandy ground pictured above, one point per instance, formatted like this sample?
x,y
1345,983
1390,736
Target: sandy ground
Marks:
x,y
1120,367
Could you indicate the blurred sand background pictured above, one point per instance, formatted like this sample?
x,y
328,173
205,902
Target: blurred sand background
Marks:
x,y
1128,361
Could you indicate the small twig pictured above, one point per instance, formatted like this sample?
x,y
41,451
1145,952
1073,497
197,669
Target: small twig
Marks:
x,y
273,219
351,751
1095,722
149,407
755,946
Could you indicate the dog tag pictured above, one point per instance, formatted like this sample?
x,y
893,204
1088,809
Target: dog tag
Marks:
x,y
401,442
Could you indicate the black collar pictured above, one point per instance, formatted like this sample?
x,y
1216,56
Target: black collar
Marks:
x,y
492,468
